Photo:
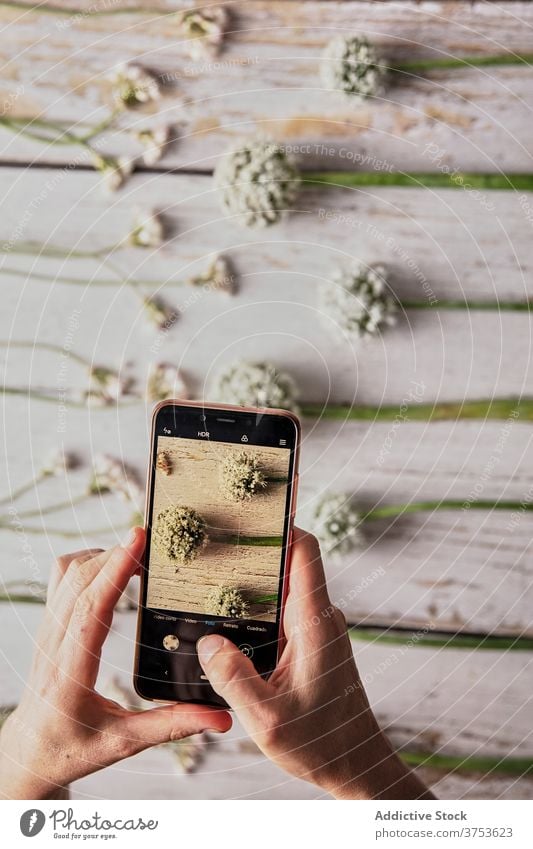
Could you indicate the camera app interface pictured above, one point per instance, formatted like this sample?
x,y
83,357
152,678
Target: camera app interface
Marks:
x,y
217,538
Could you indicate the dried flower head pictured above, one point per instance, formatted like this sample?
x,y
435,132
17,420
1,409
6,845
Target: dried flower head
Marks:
x,y
257,183
226,601
218,277
111,475
163,463
148,230
356,299
134,85
205,30
58,462
116,171
255,385
107,384
240,476
155,143
179,534
160,313
165,381
351,65
337,524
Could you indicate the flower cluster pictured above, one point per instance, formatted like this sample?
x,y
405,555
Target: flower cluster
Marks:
x,y
205,30
163,463
257,183
155,143
351,65
255,385
179,533
336,524
134,85
240,476
165,381
148,230
226,601
110,475
218,277
59,462
357,301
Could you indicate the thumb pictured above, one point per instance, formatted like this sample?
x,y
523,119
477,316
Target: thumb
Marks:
x,y
231,674
139,730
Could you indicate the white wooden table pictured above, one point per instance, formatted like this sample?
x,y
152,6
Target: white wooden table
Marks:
x,y
446,572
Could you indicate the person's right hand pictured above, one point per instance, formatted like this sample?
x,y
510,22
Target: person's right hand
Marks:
x,y
63,729
312,716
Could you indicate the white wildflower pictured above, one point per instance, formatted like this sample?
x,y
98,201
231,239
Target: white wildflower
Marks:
x,y
58,462
218,277
255,385
160,313
351,65
116,171
148,230
257,183
337,525
155,143
165,381
107,384
111,475
356,300
134,85
205,29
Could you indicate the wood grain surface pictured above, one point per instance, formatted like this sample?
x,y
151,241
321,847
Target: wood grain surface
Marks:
x,y
465,570
195,483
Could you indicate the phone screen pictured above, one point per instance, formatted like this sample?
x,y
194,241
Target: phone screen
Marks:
x,y
218,523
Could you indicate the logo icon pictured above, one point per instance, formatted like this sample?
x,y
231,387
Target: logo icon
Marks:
x,y
32,822
244,438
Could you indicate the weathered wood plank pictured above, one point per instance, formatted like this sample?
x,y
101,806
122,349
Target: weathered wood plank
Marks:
x,y
267,80
446,701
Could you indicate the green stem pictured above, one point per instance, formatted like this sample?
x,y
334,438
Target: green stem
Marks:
x,y
454,180
466,61
390,510
67,533
46,346
486,306
38,249
53,508
470,763
449,641
26,487
73,281
67,11
521,409
265,599
50,396
240,539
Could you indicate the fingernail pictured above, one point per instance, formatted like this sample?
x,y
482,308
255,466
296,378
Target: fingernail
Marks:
x,y
208,646
130,539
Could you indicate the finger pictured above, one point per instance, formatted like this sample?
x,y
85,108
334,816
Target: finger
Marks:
x,y
92,612
308,593
62,563
138,730
232,675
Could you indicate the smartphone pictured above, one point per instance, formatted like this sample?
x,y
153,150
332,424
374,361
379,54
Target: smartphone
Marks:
x,y
220,506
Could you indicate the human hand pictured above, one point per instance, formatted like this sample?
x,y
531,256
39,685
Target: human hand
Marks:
x,y
312,716
63,729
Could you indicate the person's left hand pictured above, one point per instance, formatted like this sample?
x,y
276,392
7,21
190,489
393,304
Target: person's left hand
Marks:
x,y
63,729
